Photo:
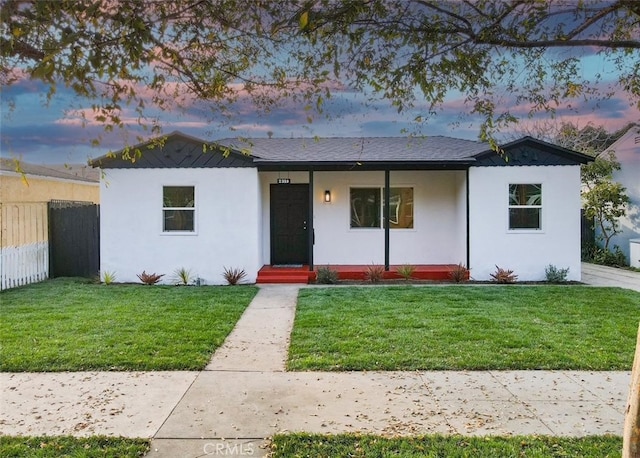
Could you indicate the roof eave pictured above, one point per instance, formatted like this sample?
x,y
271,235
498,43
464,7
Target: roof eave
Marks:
x,y
579,158
271,165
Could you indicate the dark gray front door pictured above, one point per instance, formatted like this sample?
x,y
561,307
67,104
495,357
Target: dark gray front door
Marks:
x,y
289,223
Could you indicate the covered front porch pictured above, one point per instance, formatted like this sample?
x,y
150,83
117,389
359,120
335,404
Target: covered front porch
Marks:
x,y
354,219
302,273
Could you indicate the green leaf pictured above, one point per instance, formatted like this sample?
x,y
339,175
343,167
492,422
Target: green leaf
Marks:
x,y
304,20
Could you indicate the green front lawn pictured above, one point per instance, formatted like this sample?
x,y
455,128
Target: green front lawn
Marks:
x,y
350,445
90,447
71,325
465,327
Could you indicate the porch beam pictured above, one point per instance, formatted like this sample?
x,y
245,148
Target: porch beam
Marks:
x,y
310,231
467,215
387,195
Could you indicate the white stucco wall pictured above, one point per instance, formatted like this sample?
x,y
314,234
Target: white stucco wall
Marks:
x,y
627,151
438,236
227,223
527,253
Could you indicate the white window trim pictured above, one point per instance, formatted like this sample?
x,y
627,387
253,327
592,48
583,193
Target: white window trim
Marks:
x,y
540,230
195,213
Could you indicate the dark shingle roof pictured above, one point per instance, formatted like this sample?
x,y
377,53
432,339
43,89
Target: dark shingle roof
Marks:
x,y
370,149
175,150
178,150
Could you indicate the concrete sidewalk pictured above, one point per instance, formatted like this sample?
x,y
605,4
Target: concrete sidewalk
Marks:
x,y
244,396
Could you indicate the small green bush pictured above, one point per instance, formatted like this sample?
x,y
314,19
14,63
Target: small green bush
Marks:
x,y
597,255
615,258
555,274
406,271
326,276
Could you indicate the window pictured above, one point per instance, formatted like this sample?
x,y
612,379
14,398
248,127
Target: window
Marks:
x,y
401,208
367,207
178,208
525,206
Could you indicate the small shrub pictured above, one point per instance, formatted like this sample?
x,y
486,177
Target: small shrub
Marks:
x,y
597,255
503,276
374,273
406,271
182,276
149,279
233,275
556,275
588,251
327,276
615,258
459,273
108,277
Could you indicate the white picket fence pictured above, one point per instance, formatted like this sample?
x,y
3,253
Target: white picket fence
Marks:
x,y
21,265
24,245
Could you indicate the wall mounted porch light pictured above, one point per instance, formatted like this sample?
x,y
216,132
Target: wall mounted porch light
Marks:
x,y
327,196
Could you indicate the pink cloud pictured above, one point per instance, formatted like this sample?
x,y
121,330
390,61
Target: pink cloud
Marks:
x,y
253,127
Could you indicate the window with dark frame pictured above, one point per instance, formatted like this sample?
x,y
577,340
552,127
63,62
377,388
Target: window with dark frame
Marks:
x,y
525,206
365,207
367,203
178,208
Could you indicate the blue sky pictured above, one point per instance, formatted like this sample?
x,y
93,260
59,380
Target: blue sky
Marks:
x,y
38,131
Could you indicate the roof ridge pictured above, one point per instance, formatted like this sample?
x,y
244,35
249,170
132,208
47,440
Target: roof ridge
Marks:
x,y
348,138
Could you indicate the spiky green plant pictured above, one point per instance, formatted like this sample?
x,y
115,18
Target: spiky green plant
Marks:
x,y
233,275
406,271
183,276
108,277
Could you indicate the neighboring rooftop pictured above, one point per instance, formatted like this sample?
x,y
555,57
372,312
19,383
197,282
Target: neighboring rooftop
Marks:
x,y
77,172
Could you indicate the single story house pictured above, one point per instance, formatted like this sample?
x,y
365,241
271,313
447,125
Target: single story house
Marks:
x,y
627,152
185,202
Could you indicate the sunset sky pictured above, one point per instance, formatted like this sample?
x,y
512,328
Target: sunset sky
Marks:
x,y
37,132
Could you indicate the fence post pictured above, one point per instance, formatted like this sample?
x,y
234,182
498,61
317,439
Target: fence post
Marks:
x,y
631,436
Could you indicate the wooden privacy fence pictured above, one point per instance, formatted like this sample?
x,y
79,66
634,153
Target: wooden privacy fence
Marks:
x,y
74,239
24,243
587,230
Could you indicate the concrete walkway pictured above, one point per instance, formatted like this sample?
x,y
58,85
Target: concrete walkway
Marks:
x,y
244,396
597,275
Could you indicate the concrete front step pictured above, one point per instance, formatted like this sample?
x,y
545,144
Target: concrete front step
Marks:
x,y
268,275
282,280
282,277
